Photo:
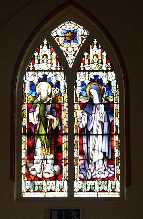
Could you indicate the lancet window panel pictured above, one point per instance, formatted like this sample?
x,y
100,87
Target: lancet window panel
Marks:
x,y
96,128
44,127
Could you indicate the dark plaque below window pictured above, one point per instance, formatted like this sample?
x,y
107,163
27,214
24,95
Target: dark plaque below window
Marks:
x,y
64,214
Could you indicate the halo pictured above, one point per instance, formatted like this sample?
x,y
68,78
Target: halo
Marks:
x,y
101,88
38,87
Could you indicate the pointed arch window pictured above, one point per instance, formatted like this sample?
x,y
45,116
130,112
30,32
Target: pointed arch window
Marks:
x,y
70,128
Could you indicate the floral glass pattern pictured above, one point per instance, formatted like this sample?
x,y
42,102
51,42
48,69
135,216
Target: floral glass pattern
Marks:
x,y
70,37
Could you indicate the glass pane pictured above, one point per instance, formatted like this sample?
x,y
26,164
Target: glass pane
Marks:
x,y
44,134
70,37
95,58
44,57
97,145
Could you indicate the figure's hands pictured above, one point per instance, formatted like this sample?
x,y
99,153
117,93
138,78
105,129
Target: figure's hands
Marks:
x,y
51,117
82,119
54,121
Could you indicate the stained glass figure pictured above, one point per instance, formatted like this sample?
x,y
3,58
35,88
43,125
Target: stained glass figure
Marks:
x,y
95,58
44,134
70,37
97,145
44,58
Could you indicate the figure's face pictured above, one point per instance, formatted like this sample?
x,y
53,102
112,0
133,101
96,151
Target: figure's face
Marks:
x,y
44,90
94,95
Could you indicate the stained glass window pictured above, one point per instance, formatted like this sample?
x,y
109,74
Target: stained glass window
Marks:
x,y
44,126
45,119
97,144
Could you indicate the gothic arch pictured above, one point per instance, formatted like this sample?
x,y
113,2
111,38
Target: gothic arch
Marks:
x,y
75,13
